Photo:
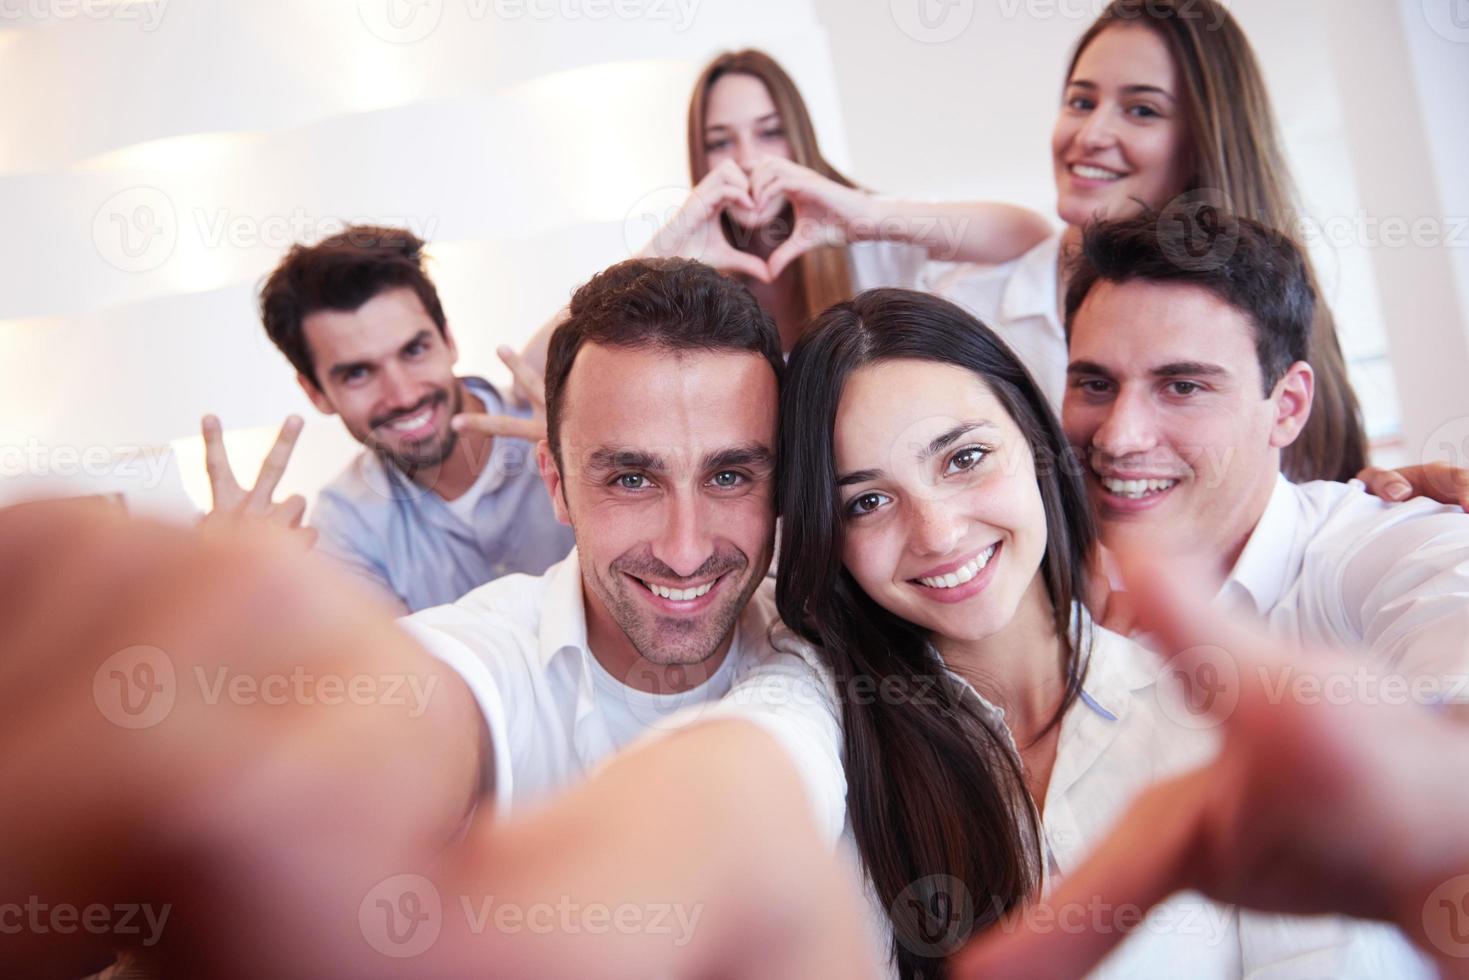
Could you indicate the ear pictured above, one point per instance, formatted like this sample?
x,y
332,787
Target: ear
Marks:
x,y
551,477
318,397
1292,397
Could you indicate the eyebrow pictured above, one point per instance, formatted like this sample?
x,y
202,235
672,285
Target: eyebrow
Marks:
x,y
939,444
624,459
1127,89
768,117
752,455
1175,369
340,370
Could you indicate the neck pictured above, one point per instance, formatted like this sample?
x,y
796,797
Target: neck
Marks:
x,y
1020,667
618,656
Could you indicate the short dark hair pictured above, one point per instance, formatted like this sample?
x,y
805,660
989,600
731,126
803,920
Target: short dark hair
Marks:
x,y
341,273
1253,268
664,304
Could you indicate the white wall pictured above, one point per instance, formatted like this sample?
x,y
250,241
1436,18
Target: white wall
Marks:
x,y
157,157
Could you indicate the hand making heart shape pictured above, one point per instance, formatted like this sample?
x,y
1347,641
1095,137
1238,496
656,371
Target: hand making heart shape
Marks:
x,y
826,213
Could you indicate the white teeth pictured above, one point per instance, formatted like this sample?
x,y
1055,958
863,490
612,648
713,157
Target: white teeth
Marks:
x,y
678,595
962,575
413,421
1094,173
1136,489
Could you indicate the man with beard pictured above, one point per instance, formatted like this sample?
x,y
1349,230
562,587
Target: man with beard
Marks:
x,y
661,398
424,514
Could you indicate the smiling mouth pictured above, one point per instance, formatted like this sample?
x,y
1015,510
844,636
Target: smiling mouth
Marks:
x,y
1088,172
1135,489
678,595
963,574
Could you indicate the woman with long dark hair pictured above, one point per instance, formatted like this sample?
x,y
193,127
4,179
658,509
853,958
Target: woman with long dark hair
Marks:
x,y
974,731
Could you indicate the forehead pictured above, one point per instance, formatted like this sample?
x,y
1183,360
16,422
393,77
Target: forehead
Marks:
x,y
375,330
680,405
1132,327
1128,54
892,409
737,98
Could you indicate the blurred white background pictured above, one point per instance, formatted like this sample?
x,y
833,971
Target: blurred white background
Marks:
x,y
158,156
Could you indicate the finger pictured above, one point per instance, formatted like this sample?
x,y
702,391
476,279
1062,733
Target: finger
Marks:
x,y
733,260
735,189
527,378
275,464
1387,484
790,250
1143,861
289,512
532,430
223,487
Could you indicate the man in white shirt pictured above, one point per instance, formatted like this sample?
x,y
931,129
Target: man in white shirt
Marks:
x,y
661,400
1187,379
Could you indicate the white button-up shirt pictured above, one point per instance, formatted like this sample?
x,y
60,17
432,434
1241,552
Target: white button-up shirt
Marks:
x,y
1329,564
1119,738
552,711
1018,300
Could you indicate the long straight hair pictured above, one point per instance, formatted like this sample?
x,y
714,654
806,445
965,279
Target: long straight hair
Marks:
x,y
932,792
822,274
1235,149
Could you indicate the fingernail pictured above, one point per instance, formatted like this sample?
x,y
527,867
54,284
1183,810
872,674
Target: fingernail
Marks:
x,y
506,352
1399,491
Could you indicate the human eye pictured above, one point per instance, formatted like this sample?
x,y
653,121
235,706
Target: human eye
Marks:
x,y
1145,112
1080,103
774,133
1092,386
631,481
416,348
866,503
353,375
729,479
966,459
1185,388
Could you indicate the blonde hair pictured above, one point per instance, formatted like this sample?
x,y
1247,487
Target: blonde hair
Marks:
x,y
1235,150
823,277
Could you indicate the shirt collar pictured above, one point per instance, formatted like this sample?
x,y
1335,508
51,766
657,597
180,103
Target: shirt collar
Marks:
x,y
1033,285
1263,566
563,625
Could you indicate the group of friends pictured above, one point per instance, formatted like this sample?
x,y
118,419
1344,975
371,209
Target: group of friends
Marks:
x,y
907,588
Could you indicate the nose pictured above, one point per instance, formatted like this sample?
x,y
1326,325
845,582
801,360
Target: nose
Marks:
x,y
746,154
1128,428
686,542
936,528
398,389
1097,133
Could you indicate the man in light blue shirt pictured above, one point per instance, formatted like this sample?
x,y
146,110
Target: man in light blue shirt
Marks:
x,y
425,513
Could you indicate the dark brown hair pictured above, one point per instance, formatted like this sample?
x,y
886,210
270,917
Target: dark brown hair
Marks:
x,y
1236,151
1262,274
341,273
666,304
937,799
823,276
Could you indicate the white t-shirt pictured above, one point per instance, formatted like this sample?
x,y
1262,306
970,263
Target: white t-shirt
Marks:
x,y
553,713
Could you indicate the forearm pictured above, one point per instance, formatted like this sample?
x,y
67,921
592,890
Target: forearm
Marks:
x,y
967,231
703,842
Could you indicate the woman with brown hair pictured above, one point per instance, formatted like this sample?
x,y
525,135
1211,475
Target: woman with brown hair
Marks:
x,y
768,206
1165,108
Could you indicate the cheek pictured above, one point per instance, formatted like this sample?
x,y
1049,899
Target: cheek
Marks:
x,y
870,558
1162,159
1061,137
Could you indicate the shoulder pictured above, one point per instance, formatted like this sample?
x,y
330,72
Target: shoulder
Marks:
x,y
1343,520
497,623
